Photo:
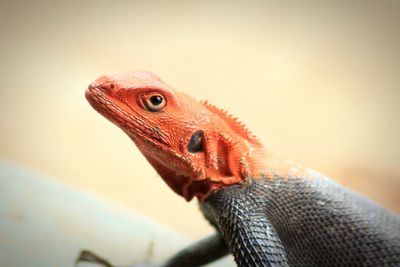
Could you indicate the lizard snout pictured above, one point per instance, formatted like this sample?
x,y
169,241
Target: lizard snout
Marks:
x,y
103,83
105,87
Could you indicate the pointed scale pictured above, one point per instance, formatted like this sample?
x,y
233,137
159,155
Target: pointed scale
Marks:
x,y
234,123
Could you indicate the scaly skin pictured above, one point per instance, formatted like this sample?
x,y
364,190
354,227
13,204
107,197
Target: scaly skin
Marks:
x,y
267,212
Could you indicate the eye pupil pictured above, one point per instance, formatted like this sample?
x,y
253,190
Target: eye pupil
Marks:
x,y
152,101
156,100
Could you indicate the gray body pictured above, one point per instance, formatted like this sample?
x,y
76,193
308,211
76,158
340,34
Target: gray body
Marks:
x,y
292,222
296,222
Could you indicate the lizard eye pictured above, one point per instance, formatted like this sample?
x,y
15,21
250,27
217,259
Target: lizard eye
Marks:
x,y
196,142
153,102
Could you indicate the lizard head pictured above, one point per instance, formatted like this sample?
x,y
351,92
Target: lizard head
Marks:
x,y
195,147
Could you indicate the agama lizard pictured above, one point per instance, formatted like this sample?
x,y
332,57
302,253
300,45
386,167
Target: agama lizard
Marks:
x,y
267,212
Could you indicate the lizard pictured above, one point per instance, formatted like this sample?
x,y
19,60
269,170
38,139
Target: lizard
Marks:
x,y
266,211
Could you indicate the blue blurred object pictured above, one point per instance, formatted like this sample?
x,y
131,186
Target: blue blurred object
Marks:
x,y
44,223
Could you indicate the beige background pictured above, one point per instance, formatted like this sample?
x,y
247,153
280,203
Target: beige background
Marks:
x,y
318,83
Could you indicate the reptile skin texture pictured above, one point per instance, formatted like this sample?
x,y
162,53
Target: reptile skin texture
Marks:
x,y
267,212
293,222
303,222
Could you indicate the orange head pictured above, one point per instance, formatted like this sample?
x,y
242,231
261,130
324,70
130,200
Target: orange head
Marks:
x,y
194,146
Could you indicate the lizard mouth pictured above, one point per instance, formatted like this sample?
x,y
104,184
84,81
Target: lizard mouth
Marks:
x,y
109,107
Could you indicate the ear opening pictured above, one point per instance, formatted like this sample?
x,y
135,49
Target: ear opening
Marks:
x,y
196,142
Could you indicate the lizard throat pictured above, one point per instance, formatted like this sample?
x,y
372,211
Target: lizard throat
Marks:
x,y
201,189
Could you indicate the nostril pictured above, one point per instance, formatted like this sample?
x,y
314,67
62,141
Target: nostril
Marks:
x,y
107,87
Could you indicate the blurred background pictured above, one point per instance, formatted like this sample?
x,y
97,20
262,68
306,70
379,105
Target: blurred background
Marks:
x,y
316,81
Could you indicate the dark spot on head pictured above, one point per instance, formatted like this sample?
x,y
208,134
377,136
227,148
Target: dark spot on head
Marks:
x,y
196,142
